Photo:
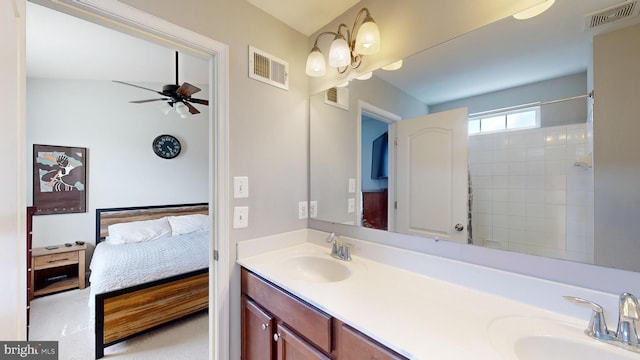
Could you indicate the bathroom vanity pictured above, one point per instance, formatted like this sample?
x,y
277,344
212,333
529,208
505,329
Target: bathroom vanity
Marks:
x,y
399,304
275,322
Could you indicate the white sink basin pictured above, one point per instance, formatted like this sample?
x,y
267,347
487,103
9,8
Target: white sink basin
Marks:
x,y
523,338
316,269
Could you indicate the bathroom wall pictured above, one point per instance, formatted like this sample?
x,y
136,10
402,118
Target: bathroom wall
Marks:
x,y
528,194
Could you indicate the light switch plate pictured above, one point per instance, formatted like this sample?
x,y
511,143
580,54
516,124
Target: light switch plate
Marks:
x,y
352,205
352,185
240,217
303,212
313,209
240,187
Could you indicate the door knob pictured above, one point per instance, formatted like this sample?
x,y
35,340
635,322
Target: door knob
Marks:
x,y
459,227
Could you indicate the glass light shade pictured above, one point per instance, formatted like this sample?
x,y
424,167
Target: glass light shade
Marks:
x,y
534,10
182,109
393,66
316,66
368,38
165,107
339,53
365,76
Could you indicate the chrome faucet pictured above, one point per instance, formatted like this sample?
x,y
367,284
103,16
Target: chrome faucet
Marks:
x,y
338,249
626,335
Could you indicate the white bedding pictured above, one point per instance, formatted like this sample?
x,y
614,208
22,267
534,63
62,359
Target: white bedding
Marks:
x,y
118,266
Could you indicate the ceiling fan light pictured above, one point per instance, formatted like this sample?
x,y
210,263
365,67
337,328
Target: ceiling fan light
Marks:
x,y
316,65
165,107
534,10
339,53
368,38
182,109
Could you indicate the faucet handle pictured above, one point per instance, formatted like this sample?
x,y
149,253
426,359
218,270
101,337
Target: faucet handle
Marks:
x,y
597,326
627,331
347,252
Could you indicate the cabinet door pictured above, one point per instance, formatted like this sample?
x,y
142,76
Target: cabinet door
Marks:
x,y
353,345
292,347
257,330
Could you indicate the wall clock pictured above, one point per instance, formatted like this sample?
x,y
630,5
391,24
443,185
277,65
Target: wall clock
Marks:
x,y
166,146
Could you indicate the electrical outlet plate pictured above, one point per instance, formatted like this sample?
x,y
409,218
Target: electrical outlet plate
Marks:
x,y
240,217
313,209
352,205
352,185
302,210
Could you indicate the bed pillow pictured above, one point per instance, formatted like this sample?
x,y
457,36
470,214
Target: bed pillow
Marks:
x,y
186,224
138,231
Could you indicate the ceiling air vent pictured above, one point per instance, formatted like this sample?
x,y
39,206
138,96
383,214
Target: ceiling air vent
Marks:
x,y
337,96
613,13
268,68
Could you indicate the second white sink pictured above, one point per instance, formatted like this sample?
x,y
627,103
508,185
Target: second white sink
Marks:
x,y
524,338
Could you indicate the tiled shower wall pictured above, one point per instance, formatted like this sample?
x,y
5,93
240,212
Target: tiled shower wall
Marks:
x,y
528,193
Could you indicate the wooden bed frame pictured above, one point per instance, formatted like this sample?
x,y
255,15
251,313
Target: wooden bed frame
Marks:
x,y
124,313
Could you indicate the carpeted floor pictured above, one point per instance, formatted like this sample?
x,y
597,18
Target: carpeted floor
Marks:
x,y
64,317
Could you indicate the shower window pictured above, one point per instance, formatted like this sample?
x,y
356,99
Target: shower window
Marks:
x,y
492,122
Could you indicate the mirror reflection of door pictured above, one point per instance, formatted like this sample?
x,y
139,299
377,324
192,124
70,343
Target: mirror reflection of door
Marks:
x,y
375,172
432,171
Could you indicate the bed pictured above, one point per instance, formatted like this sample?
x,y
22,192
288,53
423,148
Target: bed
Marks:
x,y
138,286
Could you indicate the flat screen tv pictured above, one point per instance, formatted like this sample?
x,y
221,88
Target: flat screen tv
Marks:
x,y
380,157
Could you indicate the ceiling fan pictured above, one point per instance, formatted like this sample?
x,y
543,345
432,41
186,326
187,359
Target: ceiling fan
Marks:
x,y
174,94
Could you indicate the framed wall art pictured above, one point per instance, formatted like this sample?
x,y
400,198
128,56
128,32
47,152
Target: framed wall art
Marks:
x,y
59,179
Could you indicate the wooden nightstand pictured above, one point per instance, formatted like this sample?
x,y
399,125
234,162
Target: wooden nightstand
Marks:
x,y
58,269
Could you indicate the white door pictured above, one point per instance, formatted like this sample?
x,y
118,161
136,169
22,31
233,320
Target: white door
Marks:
x,y
432,177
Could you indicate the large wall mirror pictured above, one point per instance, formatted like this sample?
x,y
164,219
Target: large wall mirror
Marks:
x,y
523,88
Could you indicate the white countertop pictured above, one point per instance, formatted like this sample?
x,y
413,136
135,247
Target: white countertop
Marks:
x,y
412,312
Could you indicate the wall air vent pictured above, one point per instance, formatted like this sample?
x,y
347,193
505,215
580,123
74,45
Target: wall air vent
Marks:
x,y
337,96
268,68
617,12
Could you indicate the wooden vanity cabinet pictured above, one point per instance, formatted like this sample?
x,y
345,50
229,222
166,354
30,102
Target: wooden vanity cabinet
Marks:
x,y
278,326
296,330
257,331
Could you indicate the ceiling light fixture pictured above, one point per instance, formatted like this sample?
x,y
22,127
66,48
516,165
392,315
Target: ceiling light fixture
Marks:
x,y
534,10
346,51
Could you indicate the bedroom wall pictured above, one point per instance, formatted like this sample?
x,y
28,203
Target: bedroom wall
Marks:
x,y
122,168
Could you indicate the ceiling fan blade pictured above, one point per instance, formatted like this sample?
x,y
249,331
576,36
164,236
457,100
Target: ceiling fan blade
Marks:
x,y
148,100
140,87
199,101
187,89
192,109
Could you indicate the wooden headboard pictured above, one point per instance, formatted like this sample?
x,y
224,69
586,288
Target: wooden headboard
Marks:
x,y
110,216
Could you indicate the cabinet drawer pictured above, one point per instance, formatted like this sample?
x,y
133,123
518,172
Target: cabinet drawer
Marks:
x,y
307,321
354,345
54,260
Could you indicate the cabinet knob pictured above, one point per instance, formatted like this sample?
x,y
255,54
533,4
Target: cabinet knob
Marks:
x,y
276,337
264,326
459,227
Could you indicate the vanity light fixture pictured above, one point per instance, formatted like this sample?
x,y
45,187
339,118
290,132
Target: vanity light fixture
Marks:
x,y
366,76
534,10
393,66
346,51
